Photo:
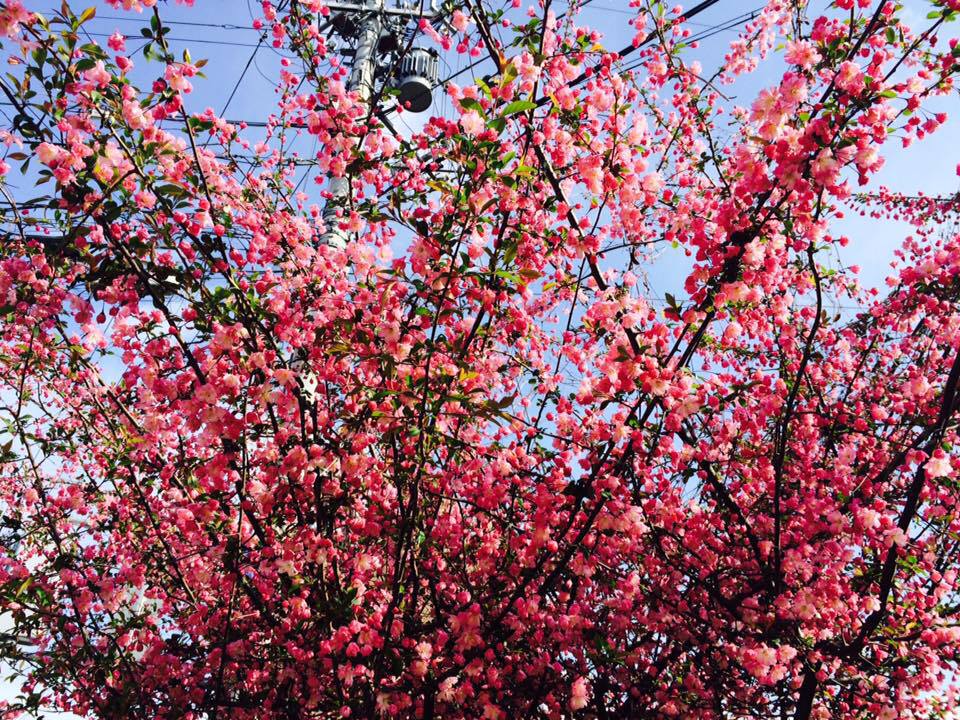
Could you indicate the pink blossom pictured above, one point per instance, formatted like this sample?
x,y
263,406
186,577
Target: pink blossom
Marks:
x,y
145,199
12,15
176,76
460,20
97,75
579,694
802,53
849,77
472,123
117,42
48,154
938,465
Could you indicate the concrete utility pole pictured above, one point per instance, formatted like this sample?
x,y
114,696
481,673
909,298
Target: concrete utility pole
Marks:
x,y
374,23
361,80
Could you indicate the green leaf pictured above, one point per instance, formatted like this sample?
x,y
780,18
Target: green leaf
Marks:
x,y
174,190
518,106
196,124
509,253
672,302
23,586
87,14
471,104
486,88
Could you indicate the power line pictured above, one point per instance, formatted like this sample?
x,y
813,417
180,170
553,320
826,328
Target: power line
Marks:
x,y
186,23
710,31
475,63
242,74
632,48
693,12
635,13
204,41
250,123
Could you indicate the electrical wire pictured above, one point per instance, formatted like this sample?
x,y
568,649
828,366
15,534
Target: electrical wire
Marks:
x,y
633,13
693,12
709,32
204,41
243,73
481,61
633,47
185,23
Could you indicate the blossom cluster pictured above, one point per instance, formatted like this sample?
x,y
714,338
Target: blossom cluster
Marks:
x,y
467,465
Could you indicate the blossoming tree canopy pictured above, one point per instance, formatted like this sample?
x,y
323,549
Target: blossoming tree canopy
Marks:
x,y
467,465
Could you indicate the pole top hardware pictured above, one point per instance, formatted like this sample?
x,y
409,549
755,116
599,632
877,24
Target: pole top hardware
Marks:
x,y
400,11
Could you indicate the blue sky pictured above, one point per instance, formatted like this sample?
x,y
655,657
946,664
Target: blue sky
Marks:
x,y
221,31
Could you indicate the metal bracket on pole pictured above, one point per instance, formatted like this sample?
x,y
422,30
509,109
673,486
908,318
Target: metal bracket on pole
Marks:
x,y
397,12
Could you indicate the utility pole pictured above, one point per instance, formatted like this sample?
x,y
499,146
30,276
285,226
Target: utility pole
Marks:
x,y
376,29
361,80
